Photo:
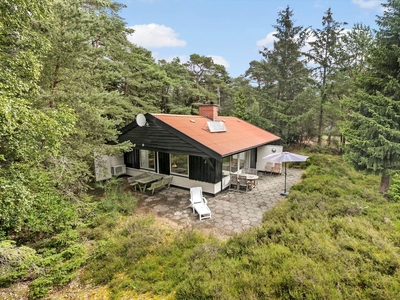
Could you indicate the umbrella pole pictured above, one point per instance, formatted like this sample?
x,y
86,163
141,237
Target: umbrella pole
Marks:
x,y
284,193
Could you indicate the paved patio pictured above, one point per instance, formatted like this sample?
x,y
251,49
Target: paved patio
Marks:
x,y
232,211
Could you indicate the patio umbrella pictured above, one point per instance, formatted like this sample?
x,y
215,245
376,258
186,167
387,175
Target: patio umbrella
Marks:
x,y
285,157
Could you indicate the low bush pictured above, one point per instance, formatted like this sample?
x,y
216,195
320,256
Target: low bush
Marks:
x,y
115,200
57,269
15,262
334,237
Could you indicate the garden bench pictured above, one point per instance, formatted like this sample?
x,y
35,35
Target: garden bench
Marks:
x,y
166,181
132,182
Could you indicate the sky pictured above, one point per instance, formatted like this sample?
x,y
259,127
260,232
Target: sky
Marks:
x,y
232,32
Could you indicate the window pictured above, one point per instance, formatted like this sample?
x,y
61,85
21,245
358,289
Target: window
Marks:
x,y
179,164
226,163
242,160
147,159
237,162
226,169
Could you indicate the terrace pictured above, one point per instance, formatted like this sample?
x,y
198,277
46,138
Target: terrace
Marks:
x,y
232,211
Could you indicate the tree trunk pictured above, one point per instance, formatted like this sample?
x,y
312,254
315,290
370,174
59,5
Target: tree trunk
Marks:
x,y
321,111
385,180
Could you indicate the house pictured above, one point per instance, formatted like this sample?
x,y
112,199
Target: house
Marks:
x,y
197,150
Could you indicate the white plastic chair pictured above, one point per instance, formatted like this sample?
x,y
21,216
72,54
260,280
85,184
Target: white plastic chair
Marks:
x,y
199,203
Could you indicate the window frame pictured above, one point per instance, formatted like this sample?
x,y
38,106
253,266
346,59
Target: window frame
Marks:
x,y
172,162
140,159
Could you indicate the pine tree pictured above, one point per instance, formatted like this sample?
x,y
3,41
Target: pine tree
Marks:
x,y
372,126
240,105
86,70
325,55
288,76
209,78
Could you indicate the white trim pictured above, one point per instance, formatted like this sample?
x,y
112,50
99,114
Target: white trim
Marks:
x,y
185,182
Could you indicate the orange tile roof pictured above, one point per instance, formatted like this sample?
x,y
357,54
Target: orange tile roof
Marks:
x,y
239,136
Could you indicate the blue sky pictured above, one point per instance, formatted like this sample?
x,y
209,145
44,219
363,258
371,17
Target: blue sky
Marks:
x,y
230,31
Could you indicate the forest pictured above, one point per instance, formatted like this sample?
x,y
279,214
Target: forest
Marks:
x,y
70,80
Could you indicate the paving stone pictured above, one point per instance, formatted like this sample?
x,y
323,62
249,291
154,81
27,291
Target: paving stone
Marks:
x,y
232,211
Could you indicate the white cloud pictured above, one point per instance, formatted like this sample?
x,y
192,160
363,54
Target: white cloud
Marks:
x,y
268,40
219,60
318,3
155,36
367,3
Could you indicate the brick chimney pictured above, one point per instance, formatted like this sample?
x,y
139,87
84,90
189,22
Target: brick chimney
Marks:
x,y
209,110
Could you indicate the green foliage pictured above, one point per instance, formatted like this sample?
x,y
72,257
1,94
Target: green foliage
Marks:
x,y
72,78
132,239
29,136
30,206
334,220
57,269
47,269
325,55
288,77
372,122
240,105
165,267
15,262
333,238
394,190
115,200
372,133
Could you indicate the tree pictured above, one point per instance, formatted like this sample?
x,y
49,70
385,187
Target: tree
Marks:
x,y
352,54
372,124
355,49
87,70
287,73
178,90
290,72
324,55
28,135
260,73
210,79
240,105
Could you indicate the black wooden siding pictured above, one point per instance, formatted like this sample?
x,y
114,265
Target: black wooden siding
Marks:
x,y
205,169
132,159
200,168
163,163
156,137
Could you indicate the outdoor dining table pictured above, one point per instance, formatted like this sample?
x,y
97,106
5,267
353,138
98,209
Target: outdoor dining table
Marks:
x,y
143,182
252,179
